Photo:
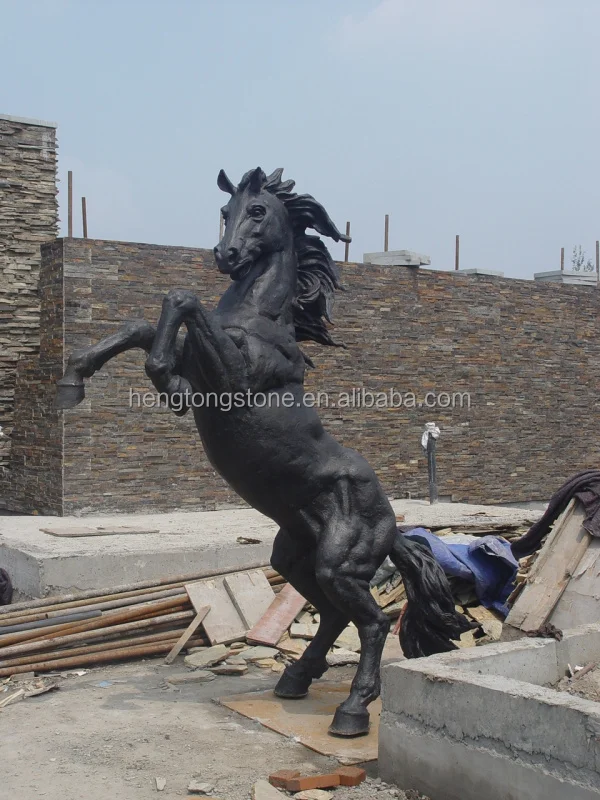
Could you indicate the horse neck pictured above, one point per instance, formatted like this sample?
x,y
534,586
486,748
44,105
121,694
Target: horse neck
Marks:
x,y
271,294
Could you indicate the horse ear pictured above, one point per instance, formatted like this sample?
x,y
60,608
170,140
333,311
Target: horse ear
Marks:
x,y
224,184
257,181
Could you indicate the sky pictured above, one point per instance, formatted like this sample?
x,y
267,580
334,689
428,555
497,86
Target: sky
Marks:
x,y
471,117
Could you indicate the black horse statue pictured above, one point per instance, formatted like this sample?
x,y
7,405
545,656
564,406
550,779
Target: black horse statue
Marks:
x,y
336,524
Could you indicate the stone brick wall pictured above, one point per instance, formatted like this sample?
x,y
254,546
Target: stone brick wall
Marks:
x,y
527,353
28,217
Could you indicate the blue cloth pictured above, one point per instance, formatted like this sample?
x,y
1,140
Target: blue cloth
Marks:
x,y
486,562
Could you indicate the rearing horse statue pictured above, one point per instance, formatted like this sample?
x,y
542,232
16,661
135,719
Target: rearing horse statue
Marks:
x,y
336,524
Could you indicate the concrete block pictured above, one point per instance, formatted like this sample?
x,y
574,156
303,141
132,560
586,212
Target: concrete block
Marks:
x,y
196,543
397,258
478,723
567,277
493,272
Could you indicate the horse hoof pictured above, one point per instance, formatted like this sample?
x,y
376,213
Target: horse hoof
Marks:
x,y
69,395
347,724
291,687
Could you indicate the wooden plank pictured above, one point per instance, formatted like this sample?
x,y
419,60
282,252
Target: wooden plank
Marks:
x,y
251,594
222,623
392,597
278,617
119,530
551,573
187,635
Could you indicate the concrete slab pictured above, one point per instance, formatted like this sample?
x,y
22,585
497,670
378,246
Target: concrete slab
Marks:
x,y
482,723
397,258
568,277
199,543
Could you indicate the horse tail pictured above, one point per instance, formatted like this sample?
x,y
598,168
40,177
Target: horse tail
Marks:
x,y
430,622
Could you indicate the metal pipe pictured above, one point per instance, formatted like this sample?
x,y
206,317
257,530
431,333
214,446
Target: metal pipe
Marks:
x,y
84,217
166,636
44,623
43,644
97,658
347,247
70,204
106,593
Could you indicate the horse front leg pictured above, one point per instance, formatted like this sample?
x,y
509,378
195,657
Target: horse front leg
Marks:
x,y
220,362
84,363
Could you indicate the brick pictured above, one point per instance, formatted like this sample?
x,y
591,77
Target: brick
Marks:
x,y
351,776
313,782
282,777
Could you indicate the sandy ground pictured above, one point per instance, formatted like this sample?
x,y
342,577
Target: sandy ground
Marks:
x,y
91,741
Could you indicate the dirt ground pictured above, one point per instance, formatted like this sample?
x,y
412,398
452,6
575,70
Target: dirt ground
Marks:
x,y
587,687
111,732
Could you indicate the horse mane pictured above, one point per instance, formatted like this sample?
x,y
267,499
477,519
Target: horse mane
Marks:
x,y
318,274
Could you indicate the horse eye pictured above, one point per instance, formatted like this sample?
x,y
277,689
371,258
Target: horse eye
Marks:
x,y
257,212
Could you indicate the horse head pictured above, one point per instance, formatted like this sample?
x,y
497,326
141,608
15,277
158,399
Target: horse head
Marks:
x,y
263,217
256,224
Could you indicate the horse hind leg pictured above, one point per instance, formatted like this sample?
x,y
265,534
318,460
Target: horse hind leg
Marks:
x,y
345,581
84,363
297,566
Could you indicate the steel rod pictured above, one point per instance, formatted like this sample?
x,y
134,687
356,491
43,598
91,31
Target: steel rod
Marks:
x,y
44,644
97,658
108,618
84,217
347,247
166,636
70,204
171,582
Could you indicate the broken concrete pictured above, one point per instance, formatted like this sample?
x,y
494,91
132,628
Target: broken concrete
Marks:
x,y
476,723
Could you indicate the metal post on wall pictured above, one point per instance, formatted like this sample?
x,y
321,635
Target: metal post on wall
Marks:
x,y
428,441
597,260
386,233
562,259
457,253
70,204
347,248
84,217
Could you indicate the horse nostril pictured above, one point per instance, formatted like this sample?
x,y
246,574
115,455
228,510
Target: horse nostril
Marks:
x,y
232,254
216,251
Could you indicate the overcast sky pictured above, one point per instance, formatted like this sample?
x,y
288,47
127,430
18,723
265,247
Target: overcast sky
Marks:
x,y
478,117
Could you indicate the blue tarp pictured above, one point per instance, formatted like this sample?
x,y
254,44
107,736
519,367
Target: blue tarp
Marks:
x,y
486,562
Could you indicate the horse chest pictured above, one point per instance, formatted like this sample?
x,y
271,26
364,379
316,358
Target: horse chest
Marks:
x,y
270,362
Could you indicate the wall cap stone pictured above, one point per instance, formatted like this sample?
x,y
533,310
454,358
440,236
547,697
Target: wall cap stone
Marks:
x,y
40,123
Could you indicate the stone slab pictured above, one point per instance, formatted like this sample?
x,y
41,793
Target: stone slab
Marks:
x,y
397,258
27,121
493,272
568,277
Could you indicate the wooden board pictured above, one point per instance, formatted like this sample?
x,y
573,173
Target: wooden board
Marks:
x,y
222,623
69,533
558,560
278,617
187,635
251,594
307,720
